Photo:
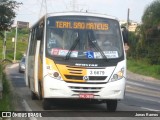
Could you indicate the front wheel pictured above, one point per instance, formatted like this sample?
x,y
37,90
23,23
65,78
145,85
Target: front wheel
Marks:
x,y
111,105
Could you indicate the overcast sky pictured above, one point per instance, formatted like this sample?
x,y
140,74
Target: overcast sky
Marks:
x,y
31,10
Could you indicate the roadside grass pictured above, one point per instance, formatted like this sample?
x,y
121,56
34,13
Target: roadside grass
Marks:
x,y
21,46
6,101
143,68
21,49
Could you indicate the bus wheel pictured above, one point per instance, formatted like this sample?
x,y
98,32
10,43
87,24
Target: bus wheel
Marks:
x,y
45,104
111,105
33,96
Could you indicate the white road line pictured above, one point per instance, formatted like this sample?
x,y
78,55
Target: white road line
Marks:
x,y
149,109
139,97
141,85
137,84
17,77
27,108
128,86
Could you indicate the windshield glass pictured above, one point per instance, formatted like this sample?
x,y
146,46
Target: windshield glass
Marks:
x,y
83,37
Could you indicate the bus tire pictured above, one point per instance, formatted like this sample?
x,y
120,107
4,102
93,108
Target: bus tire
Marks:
x,y
111,105
33,96
45,104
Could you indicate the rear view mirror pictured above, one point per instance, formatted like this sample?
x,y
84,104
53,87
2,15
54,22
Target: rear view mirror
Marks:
x,y
39,34
125,34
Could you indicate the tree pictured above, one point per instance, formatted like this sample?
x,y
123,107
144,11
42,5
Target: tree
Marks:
x,y
150,33
7,14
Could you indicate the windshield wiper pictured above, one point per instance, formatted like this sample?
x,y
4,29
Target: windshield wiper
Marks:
x,y
97,48
72,48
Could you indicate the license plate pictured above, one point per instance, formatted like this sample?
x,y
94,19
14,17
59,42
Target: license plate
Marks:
x,y
86,96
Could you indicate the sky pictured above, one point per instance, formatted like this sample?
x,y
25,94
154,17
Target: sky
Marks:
x,y
32,10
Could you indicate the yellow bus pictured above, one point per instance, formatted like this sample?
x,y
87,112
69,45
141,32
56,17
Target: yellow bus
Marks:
x,y
76,56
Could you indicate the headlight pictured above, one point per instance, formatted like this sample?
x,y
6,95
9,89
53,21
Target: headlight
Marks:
x,y
118,75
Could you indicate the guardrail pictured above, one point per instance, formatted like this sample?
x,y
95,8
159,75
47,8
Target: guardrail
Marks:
x,y
1,75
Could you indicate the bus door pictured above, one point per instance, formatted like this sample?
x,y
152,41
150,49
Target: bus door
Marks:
x,y
33,61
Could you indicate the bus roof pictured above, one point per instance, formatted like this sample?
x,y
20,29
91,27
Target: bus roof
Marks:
x,y
75,14
81,14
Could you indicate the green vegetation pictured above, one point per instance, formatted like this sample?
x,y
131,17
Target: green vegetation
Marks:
x,y
22,42
143,55
143,68
145,42
7,14
5,102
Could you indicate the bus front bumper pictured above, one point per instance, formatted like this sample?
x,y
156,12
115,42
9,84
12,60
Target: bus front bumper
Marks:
x,y
61,89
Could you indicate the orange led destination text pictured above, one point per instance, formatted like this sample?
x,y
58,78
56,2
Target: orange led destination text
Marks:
x,y
82,25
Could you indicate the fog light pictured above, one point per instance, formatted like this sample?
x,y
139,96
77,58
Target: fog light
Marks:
x,y
115,77
55,74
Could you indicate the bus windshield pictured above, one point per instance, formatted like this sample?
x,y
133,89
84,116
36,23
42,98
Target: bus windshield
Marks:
x,y
83,37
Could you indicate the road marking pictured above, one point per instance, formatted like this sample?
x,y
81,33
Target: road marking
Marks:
x,y
27,108
137,84
139,97
141,85
128,86
149,109
17,77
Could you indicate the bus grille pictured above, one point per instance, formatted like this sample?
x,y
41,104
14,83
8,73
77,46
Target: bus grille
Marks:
x,y
76,75
85,89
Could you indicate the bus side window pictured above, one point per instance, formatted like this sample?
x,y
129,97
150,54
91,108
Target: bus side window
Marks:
x,y
42,41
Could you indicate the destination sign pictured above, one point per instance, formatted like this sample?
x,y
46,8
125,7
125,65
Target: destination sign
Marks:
x,y
82,25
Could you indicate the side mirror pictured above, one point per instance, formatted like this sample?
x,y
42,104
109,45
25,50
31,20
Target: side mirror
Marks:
x,y
125,38
39,34
125,34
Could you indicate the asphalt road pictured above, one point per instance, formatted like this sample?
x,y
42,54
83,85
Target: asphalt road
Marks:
x,y
140,96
